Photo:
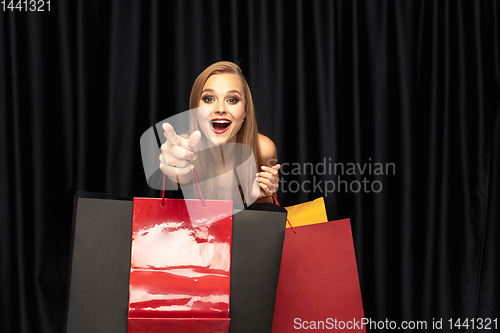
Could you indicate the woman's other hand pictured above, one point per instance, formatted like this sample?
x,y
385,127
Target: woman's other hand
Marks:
x,y
177,154
268,180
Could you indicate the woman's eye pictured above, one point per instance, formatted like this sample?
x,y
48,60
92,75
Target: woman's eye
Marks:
x,y
208,99
233,100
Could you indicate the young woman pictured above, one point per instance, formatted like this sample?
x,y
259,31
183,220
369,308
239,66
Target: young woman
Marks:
x,y
224,116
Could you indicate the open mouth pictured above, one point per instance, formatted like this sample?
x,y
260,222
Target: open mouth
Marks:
x,y
220,125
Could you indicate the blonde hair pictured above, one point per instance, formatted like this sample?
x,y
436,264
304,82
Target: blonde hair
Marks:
x,y
248,133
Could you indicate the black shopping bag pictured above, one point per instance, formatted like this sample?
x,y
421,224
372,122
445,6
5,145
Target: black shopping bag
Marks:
x,y
100,265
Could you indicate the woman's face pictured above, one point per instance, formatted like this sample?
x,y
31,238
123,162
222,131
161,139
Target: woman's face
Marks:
x,y
222,108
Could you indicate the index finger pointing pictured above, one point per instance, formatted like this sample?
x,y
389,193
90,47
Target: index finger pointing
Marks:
x,y
170,134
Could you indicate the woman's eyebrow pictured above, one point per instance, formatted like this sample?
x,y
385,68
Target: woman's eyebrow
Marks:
x,y
228,92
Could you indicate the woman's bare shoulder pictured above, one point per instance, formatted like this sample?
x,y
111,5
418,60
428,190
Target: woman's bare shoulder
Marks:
x,y
268,153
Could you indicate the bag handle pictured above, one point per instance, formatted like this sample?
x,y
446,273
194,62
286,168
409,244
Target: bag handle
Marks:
x,y
276,199
197,184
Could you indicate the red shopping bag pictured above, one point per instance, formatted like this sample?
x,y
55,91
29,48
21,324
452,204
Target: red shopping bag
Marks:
x,y
318,286
180,266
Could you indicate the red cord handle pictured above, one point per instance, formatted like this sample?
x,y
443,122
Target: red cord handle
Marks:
x,y
197,184
163,192
276,199
199,189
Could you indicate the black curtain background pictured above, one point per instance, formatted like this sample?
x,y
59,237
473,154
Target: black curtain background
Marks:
x,y
414,83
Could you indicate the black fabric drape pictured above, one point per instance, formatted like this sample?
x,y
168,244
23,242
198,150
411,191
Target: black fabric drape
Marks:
x,y
413,83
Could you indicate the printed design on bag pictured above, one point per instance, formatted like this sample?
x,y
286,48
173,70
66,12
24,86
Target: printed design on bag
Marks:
x,y
180,262
176,243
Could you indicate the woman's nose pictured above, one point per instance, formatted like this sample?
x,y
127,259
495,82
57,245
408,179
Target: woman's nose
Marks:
x,y
219,108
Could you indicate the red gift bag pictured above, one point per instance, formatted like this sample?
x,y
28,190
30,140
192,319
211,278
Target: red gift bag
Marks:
x,y
318,286
180,266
